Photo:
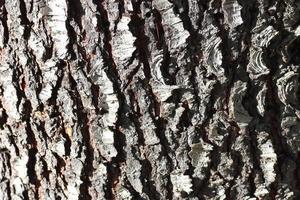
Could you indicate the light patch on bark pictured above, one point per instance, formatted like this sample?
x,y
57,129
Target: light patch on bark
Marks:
x,y
237,111
268,157
57,23
122,42
174,29
232,10
200,157
181,183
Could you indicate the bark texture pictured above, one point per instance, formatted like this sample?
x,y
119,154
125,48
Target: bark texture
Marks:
x,y
152,99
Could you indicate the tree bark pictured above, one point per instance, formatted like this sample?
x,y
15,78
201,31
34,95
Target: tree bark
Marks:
x,y
153,99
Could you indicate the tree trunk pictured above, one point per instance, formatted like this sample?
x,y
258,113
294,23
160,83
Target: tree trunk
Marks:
x,y
153,99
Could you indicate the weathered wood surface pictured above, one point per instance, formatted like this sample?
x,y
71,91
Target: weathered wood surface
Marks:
x,y
179,99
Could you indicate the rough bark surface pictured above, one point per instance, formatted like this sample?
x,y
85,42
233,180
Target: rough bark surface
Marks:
x,y
152,99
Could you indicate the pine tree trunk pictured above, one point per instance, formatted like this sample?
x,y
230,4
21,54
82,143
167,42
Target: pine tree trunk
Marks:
x,y
152,99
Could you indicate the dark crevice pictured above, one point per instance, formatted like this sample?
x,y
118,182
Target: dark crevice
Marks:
x,y
293,52
75,11
114,167
24,20
199,186
3,18
255,159
35,70
13,141
31,141
184,120
68,141
72,35
32,151
25,195
131,76
17,72
210,111
82,118
60,164
61,66
95,89
136,26
8,190
237,166
297,172
3,116
31,6
45,173
113,175
158,33
184,15
114,171
252,133
196,182
272,112
5,158
132,191
146,171
120,13
160,124
148,184
237,73
249,14
168,66
251,181
134,117
48,51
41,128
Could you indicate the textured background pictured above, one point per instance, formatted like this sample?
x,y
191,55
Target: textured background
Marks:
x,y
119,99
